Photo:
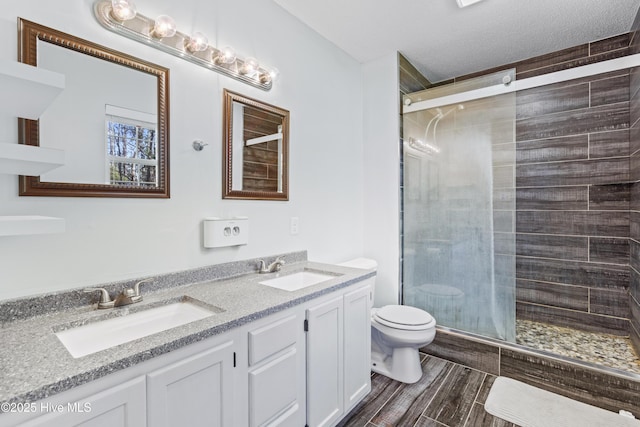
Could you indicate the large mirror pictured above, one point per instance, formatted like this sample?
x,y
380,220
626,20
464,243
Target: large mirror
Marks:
x,y
111,120
256,149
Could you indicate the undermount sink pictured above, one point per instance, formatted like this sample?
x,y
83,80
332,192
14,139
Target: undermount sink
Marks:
x,y
101,335
297,281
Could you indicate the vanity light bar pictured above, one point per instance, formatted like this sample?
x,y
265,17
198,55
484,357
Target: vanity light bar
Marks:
x,y
161,33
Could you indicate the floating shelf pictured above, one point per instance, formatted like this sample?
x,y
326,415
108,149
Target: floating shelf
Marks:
x,y
25,225
26,90
19,159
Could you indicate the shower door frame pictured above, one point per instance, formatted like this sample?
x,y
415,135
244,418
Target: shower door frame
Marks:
x,y
528,83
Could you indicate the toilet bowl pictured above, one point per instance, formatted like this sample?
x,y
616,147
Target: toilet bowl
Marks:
x,y
397,332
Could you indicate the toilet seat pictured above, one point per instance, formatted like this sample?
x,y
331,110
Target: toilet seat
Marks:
x,y
404,317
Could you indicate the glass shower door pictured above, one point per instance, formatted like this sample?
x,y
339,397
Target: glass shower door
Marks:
x,y
458,207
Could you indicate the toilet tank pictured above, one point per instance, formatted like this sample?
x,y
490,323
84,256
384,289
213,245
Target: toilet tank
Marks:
x,y
364,264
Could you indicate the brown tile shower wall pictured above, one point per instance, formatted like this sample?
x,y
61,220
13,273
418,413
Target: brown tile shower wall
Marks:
x,y
573,193
409,80
634,175
577,193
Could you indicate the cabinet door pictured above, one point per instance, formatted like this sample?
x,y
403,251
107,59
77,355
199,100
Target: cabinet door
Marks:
x,y
357,346
193,392
325,384
119,406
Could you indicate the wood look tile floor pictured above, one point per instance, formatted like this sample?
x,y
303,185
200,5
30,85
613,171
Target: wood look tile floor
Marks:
x,y
447,395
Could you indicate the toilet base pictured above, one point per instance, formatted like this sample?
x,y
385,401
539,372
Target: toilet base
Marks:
x,y
403,365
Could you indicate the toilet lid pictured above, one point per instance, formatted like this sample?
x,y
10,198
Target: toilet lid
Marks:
x,y
404,317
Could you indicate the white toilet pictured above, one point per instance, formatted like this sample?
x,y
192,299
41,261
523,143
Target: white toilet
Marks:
x,y
397,332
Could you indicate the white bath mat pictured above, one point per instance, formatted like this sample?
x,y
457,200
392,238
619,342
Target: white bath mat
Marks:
x,y
529,406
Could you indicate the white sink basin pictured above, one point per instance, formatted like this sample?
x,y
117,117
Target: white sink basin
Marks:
x,y
296,281
93,337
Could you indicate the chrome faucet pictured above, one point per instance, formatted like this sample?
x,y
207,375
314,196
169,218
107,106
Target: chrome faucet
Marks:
x,y
126,297
273,267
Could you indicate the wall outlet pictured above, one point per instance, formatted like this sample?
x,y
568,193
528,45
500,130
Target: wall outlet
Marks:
x,y
294,226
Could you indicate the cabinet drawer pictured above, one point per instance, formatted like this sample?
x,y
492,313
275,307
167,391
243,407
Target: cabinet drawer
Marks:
x,y
273,398
272,338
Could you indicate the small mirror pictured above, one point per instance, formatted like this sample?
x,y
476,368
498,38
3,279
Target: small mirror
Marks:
x,y
111,120
256,149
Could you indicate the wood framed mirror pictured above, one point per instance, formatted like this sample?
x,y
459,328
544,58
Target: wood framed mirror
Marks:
x,y
112,119
256,149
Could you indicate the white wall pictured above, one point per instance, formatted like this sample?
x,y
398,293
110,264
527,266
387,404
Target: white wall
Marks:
x,y
382,173
114,239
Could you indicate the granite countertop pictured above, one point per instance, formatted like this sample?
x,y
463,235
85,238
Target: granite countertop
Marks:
x,y
36,365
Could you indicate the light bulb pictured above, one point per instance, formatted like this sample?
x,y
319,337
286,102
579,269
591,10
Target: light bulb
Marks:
x,y
197,42
225,56
123,10
274,73
270,75
249,67
164,26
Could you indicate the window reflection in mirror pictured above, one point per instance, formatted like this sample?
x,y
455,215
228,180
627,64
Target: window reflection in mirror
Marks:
x,y
256,149
131,149
111,120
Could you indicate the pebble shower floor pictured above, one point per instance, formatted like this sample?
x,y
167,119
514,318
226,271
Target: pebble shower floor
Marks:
x,y
606,350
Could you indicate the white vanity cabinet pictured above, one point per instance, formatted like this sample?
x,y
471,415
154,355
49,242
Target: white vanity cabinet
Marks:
x,y
195,391
191,386
338,355
275,378
119,406
305,365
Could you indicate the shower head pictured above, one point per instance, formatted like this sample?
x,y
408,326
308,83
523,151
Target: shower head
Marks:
x,y
449,111
439,116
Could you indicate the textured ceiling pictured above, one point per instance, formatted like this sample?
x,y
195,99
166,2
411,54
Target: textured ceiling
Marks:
x,y
444,41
